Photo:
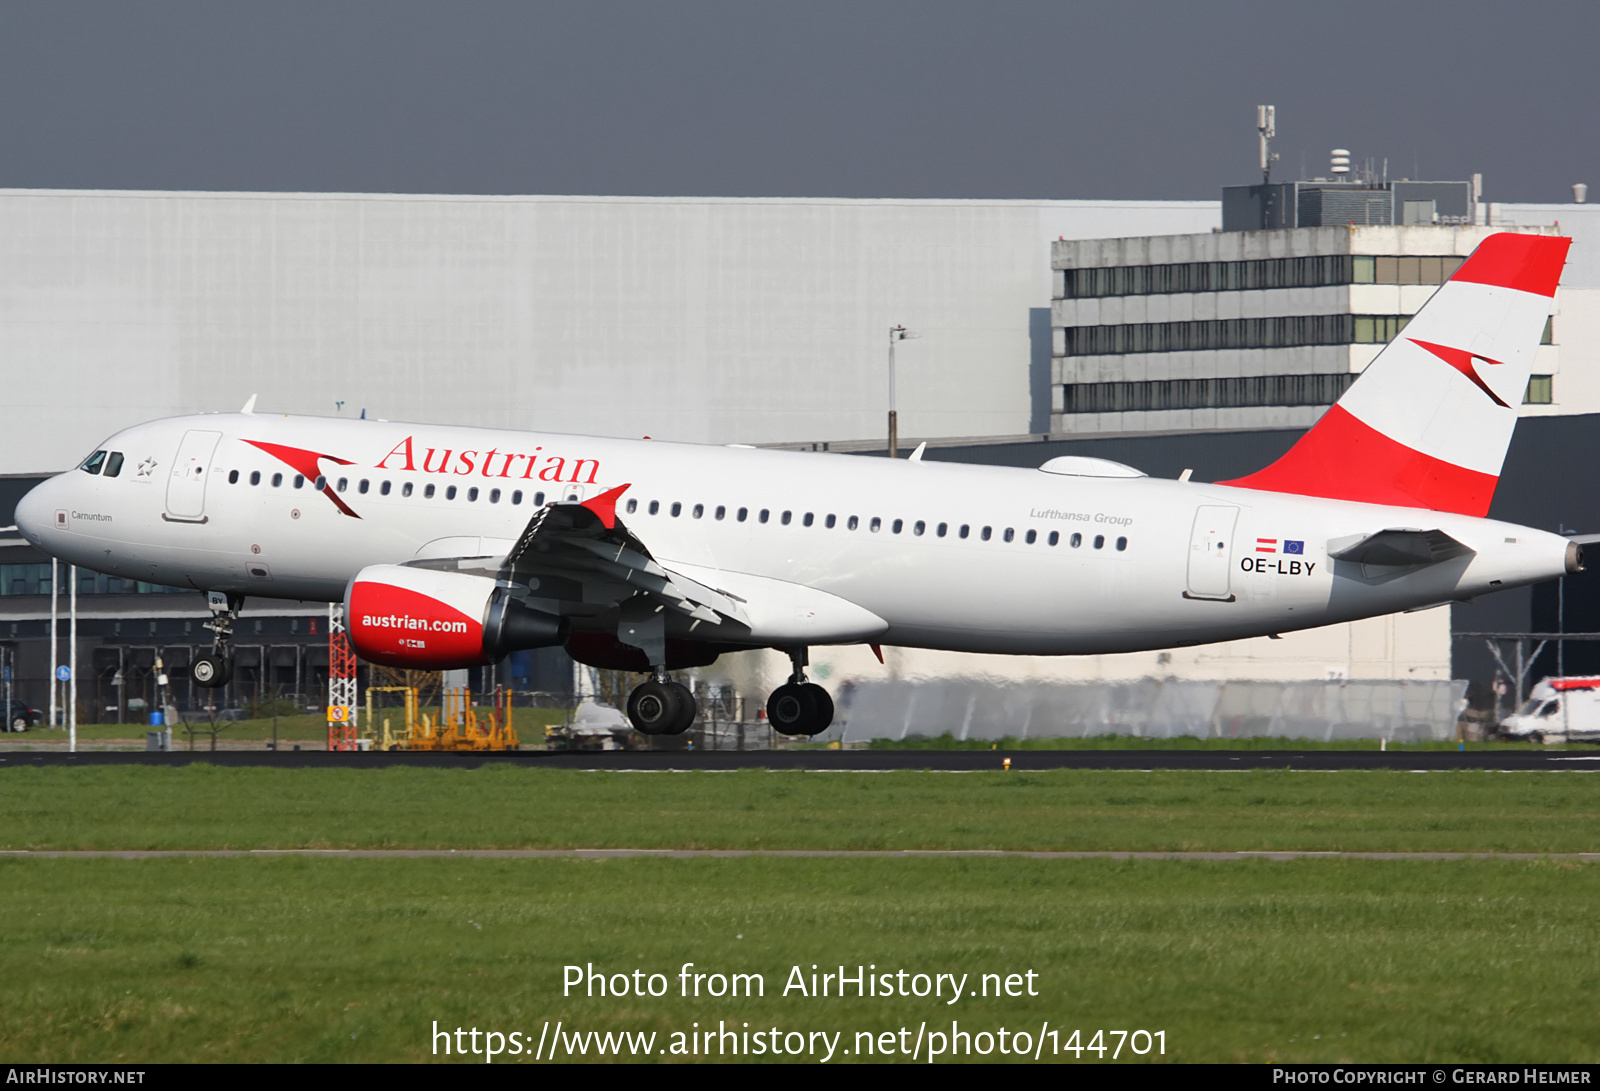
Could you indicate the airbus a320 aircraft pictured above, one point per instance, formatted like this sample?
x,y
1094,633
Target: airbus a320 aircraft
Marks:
x,y
454,546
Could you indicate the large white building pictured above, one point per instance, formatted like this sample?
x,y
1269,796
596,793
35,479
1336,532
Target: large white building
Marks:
x,y
700,319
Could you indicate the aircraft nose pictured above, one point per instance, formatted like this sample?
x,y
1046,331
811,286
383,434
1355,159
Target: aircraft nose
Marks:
x,y
36,512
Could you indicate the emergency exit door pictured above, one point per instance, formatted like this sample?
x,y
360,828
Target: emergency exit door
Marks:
x,y
1211,552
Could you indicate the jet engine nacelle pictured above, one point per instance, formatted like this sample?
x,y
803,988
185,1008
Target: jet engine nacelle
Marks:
x,y
424,619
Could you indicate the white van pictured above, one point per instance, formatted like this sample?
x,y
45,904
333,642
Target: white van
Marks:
x,y
1558,710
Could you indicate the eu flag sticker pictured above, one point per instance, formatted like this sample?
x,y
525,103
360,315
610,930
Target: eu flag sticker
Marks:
x,y
1294,547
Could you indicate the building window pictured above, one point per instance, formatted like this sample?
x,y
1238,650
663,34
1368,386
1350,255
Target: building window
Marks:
x,y
1136,397
1235,276
1539,390
1546,338
1232,333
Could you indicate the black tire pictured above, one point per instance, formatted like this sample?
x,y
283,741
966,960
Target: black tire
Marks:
x,y
792,709
19,722
824,707
210,671
687,709
654,708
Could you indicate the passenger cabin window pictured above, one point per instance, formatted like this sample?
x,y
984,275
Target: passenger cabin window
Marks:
x,y
450,492
698,511
677,509
114,464
361,488
383,488
830,521
538,499
722,512
1077,540
1122,543
1033,536
494,496
965,530
942,530
233,477
472,494
1010,534
405,490
786,517
744,513
344,482
321,483
255,479
633,505
897,525
516,498
277,482
808,519
93,463
764,516
853,523
876,524
655,507
918,527
1055,537
1099,541
986,533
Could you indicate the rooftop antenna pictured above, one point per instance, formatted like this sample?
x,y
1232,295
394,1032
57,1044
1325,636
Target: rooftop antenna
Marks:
x,y
1266,127
1339,164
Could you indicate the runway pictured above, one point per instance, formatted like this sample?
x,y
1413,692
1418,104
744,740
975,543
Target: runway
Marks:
x,y
846,761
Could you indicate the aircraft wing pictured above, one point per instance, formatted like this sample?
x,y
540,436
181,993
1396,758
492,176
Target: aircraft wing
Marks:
x,y
581,552
1402,547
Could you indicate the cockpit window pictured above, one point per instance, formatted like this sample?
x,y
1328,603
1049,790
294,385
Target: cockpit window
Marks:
x,y
92,464
114,464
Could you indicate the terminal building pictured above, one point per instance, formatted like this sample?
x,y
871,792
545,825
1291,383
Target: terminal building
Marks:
x,y
1154,333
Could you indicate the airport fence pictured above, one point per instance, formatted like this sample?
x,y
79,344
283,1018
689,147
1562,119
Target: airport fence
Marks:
x,y
969,708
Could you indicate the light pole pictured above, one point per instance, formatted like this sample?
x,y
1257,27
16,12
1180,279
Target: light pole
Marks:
x,y
896,334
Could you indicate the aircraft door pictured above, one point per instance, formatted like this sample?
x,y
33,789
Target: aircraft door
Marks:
x,y
186,487
1211,552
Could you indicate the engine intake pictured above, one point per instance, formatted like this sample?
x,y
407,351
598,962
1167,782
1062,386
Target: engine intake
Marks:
x,y
424,619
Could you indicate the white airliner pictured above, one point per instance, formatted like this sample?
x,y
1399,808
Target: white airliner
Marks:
x,y
453,546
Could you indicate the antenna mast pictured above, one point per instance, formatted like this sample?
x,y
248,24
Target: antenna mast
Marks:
x,y
1266,126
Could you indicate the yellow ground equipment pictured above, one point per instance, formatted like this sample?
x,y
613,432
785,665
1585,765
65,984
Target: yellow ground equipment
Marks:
x,y
458,726
389,739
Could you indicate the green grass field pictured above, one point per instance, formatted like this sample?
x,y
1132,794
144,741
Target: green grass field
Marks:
x,y
329,958
500,806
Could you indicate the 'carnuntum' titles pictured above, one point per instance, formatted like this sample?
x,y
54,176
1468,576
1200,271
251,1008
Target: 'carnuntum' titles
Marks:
x,y
493,463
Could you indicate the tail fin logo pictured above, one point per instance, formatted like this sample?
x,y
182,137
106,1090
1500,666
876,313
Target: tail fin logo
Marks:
x,y
1463,361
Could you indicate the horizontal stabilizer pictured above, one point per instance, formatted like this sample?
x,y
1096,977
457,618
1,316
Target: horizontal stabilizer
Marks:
x,y
1403,547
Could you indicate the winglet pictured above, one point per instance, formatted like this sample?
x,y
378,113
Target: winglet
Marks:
x,y
249,406
605,505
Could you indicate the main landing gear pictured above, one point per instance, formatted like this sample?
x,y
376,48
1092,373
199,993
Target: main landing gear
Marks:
x,y
799,707
661,706
213,669
664,707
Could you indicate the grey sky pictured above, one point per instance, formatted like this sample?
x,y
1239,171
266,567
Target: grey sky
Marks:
x,y
854,99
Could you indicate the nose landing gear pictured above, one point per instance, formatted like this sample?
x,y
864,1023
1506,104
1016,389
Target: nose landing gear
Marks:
x,y
214,669
799,707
